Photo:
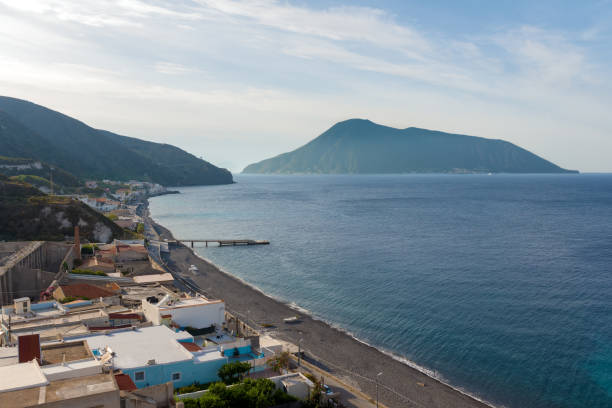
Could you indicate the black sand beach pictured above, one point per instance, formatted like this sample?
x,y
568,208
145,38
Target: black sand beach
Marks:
x,y
334,351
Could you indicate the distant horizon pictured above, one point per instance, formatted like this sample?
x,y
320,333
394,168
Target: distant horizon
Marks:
x,y
236,82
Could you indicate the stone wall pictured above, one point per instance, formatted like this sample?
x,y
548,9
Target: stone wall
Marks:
x,y
27,268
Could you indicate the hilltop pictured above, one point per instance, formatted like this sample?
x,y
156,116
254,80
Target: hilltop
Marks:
x,y
362,146
34,132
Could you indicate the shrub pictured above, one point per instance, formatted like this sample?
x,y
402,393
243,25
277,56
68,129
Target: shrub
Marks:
x,y
250,393
196,386
88,272
233,372
73,298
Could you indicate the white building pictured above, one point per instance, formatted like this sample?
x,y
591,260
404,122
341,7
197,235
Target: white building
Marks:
x,y
197,312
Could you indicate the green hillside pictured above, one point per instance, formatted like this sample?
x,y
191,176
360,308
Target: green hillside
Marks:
x,y
28,214
33,131
361,146
39,174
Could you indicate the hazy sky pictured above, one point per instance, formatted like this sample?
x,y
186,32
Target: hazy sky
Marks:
x,y
240,81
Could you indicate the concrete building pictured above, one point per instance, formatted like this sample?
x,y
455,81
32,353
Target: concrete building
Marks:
x,y
197,312
53,320
156,355
27,268
295,384
55,375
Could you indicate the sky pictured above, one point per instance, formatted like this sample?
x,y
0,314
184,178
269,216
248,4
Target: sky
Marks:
x,y
236,82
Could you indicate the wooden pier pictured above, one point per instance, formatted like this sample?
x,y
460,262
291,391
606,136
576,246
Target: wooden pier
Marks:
x,y
227,242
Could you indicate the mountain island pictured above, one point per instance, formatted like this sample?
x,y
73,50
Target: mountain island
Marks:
x,y
359,146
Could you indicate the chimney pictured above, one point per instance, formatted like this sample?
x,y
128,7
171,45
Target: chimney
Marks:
x,y
29,348
77,243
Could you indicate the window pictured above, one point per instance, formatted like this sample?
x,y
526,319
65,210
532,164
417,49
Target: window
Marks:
x,y
139,376
176,376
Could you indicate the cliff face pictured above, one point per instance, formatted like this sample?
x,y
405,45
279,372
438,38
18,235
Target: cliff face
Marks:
x,y
361,146
32,131
27,214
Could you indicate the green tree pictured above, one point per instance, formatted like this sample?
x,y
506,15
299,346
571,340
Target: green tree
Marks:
x,y
233,372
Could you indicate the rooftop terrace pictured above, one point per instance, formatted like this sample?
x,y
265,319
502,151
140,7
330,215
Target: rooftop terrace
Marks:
x,y
65,352
59,390
135,348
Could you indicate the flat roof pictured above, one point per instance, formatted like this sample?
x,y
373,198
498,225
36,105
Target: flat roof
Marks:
x,y
8,356
20,376
69,318
65,352
134,348
71,368
190,302
60,390
160,277
208,355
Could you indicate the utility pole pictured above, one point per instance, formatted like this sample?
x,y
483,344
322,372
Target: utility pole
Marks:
x,y
300,352
247,323
377,376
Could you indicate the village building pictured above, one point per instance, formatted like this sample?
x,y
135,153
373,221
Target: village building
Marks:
x,y
197,312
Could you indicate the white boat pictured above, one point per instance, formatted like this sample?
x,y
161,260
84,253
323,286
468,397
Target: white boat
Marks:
x,y
193,269
292,319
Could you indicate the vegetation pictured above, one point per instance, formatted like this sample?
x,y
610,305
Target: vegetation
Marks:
x,y
33,131
361,146
88,272
196,386
140,228
314,400
34,180
232,373
68,299
112,217
280,362
37,172
28,214
88,249
249,393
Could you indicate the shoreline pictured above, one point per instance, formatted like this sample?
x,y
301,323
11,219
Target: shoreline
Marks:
x,y
429,373
333,349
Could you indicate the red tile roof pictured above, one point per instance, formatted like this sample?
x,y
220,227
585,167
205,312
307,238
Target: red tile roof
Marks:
x,y
191,346
29,347
125,383
85,290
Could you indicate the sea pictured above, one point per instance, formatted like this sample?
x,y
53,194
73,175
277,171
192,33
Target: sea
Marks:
x,y
499,285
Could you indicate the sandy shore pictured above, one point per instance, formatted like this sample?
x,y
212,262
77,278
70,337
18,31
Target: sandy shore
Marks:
x,y
332,350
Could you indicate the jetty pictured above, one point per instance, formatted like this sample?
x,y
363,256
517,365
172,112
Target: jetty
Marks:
x,y
226,242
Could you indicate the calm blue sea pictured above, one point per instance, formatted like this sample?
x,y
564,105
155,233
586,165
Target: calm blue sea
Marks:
x,y
501,285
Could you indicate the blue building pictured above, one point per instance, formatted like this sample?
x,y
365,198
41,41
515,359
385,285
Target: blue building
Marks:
x,y
156,355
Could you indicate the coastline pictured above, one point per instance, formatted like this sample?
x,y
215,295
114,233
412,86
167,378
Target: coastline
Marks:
x,y
332,349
